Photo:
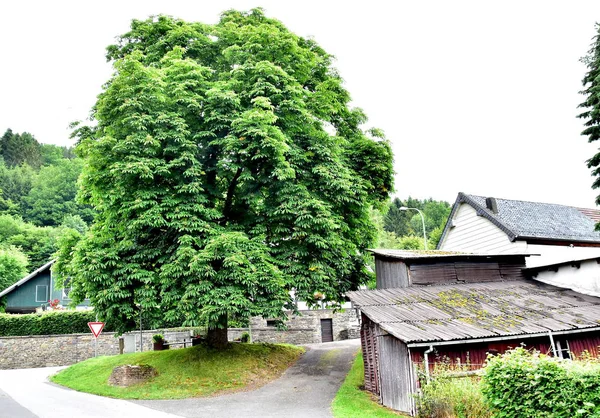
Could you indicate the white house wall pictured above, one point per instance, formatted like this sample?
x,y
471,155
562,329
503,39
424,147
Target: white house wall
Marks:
x,y
553,254
474,233
585,279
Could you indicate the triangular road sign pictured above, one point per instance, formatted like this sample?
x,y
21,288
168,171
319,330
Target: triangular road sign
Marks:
x,y
96,328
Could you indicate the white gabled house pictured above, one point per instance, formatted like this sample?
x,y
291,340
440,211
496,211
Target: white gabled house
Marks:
x,y
557,233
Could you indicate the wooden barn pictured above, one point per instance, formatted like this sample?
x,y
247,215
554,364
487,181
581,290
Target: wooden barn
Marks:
x,y
461,319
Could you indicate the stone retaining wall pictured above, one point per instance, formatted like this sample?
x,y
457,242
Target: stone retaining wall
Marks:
x,y
62,350
306,327
53,350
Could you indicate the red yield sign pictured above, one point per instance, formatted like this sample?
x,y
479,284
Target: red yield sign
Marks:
x,y
96,328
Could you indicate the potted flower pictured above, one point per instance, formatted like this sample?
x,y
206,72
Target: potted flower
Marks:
x,y
158,341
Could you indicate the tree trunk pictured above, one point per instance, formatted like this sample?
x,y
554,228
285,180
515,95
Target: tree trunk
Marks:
x,y
217,333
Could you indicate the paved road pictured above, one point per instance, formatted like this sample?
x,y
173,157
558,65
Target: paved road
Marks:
x,y
31,395
305,390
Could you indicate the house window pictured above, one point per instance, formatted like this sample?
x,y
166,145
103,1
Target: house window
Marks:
x,y
272,322
563,350
41,293
67,289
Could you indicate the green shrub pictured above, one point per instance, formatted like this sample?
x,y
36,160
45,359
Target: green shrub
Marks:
x,y
445,396
523,384
158,338
62,322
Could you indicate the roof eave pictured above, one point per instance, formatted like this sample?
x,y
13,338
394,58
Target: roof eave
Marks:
x,y
498,338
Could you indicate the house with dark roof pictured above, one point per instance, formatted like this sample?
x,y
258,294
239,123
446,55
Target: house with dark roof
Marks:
x,y
557,233
35,291
450,307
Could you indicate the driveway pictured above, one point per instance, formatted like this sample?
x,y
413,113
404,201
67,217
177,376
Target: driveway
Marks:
x,y
305,390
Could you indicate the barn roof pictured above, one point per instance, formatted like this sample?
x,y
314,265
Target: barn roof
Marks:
x,y
477,310
443,256
535,220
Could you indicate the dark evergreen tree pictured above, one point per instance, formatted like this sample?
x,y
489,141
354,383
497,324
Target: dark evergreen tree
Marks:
x,y
17,149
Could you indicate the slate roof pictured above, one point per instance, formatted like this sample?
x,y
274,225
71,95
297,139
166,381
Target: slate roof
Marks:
x,y
477,310
534,220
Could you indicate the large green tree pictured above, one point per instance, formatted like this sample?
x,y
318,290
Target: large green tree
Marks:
x,y
227,169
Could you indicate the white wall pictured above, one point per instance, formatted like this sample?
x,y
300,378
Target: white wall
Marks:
x,y
473,233
552,254
585,279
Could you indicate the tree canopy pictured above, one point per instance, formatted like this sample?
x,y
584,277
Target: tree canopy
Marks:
x,y
227,168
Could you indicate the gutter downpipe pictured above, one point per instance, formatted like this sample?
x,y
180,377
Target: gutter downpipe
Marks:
x,y
426,362
552,343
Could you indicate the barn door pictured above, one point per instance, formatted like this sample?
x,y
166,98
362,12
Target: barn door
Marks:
x,y
326,330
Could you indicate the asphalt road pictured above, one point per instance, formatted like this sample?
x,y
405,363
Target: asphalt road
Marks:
x,y
305,390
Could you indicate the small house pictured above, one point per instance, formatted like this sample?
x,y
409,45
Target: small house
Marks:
x,y
36,290
557,233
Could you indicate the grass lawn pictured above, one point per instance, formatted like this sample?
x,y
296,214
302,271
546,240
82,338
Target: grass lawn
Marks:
x,y
184,373
352,402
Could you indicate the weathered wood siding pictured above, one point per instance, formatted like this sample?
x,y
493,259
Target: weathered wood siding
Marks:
x,y
398,384
368,340
467,272
473,356
391,274
476,234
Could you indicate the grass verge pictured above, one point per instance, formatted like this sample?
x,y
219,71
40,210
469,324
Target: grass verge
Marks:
x,y
184,373
352,402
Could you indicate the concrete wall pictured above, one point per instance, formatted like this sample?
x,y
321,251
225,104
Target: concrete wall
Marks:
x,y
583,277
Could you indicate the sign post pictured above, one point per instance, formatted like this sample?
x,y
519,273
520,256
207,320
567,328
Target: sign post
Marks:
x,y
96,328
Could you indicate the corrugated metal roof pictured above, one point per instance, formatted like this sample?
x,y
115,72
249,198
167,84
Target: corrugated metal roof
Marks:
x,y
540,220
477,310
436,254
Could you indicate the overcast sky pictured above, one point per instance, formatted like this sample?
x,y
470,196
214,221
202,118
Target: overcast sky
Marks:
x,y
479,97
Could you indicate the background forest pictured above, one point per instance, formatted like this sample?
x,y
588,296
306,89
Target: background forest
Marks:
x,y
38,187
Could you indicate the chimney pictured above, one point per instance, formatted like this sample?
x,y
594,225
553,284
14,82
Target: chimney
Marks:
x,y
491,204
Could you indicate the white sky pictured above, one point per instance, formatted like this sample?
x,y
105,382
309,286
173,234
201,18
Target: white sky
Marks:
x,y
475,96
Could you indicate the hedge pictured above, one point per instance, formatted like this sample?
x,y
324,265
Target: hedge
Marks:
x,y
48,323
523,384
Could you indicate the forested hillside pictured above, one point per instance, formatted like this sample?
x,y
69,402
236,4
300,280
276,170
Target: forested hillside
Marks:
x,y
401,227
38,186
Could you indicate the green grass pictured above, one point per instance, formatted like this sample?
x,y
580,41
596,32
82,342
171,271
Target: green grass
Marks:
x,y
184,373
352,402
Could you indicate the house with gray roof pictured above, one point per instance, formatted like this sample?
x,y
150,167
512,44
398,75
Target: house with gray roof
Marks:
x,y
557,233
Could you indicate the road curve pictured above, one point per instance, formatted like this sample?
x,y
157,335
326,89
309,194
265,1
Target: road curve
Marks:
x,y
305,390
